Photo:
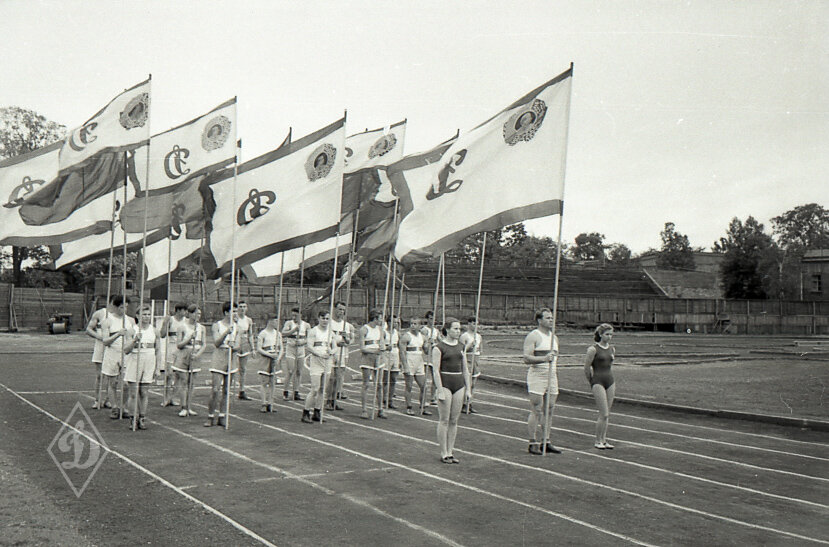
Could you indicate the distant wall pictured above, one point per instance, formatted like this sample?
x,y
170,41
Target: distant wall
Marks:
x,y
687,284
33,307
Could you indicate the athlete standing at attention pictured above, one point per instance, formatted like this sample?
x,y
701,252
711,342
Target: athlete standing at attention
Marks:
x,y
191,344
597,370
321,344
412,363
142,355
113,330
224,364
453,382
472,342
540,349
93,329
372,345
169,331
245,326
345,334
269,346
392,338
294,331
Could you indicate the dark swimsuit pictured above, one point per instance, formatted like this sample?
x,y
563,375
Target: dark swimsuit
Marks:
x,y
601,367
451,366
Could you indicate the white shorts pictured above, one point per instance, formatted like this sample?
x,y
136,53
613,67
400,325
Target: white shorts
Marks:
x,y
338,353
317,368
394,360
373,361
294,351
414,364
537,377
147,364
111,362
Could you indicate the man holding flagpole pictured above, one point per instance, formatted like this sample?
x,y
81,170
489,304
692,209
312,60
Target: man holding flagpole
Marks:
x,y
540,352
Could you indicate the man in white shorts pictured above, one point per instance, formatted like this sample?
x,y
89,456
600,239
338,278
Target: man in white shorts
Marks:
x,y
269,347
372,346
540,350
321,346
223,366
472,343
142,355
169,332
245,325
294,331
412,363
93,329
113,329
345,334
393,353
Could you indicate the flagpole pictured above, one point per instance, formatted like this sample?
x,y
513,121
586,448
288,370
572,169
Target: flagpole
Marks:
x,y
234,332
167,311
124,295
400,303
109,289
382,320
279,323
324,378
389,349
554,363
301,280
429,339
443,287
477,311
138,370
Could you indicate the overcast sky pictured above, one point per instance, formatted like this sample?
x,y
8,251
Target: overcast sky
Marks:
x,y
690,112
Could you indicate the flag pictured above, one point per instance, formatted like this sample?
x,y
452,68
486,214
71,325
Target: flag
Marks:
x,y
179,159
508,169
96,246
22,176
176,248
91,159
362,189
281,200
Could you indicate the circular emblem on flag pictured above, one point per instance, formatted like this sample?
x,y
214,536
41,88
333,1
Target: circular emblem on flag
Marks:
x,y
136,112
216,133
523,125
320,162
384,144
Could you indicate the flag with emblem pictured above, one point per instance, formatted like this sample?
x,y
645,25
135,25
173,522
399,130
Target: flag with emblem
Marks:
x,y
92,158
179,159
363,190
508,169
284,199
169,252
24,175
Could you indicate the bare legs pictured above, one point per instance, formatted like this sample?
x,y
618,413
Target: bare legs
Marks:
x,y
449,409
604,401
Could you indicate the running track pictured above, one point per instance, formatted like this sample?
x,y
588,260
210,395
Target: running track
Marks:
x,y
672,479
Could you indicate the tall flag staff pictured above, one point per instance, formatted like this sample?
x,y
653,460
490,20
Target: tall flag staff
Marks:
x,y
552,366
167,307
390,348
382,322
301,280
234,332
138,370
477,314
279,322
428,341
124,295
443,289
324,379
115,208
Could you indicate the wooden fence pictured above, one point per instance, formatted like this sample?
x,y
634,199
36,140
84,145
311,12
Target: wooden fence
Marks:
x,y
31,307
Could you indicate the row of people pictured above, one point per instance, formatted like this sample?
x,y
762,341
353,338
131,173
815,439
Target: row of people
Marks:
x,y
449,356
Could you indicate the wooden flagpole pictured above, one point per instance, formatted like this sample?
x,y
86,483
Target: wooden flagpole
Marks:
x,y
279,324
167,312
124,295
234,332
382,321
428,357
389,349
477,313
551,368
99,398
324,378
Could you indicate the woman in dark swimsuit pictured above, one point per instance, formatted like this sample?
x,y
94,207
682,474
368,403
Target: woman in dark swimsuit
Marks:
x,y
597,369
452,381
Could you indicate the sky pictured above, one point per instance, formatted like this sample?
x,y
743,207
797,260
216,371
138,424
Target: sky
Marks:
x,y
686,112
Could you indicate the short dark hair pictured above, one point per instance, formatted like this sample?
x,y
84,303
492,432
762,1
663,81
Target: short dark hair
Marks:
x,y
339,303
471,320
226,307
429,314
323,312
296,309
373,314
180,306
448,324
192,308
118,299
540,313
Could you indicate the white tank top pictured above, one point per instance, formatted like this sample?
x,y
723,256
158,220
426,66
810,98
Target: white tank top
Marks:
x,y
147,343
546,344
415,343
372,337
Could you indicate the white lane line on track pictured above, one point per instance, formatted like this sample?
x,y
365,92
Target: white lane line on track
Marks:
x,y
146,471
304,480
665,449
634,417
592,454
54,392
547,471
426,474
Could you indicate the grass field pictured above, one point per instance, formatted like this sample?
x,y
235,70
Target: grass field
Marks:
x,y
270,479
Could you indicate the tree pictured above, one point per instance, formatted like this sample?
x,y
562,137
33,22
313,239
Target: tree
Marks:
x,y
676,252
744,269
620,254
23,131
803,228
588,246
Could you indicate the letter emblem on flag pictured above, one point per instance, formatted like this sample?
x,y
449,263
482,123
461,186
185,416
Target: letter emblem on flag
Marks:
x,y
30,186
320,162
384,144
522,125
85,136
253,205
136,112
174,162
216,132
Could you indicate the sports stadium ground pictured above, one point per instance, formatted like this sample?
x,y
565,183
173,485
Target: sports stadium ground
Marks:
x,y
675,477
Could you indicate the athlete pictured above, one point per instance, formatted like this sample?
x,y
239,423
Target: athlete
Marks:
x,y
393,358
372,346
321,345
472,343
597,369
412,363
169,331
93,329
540,350
345,334
113,329
190,344
226,342
431,334
269,346
452,379
244,324
294,331
142,356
